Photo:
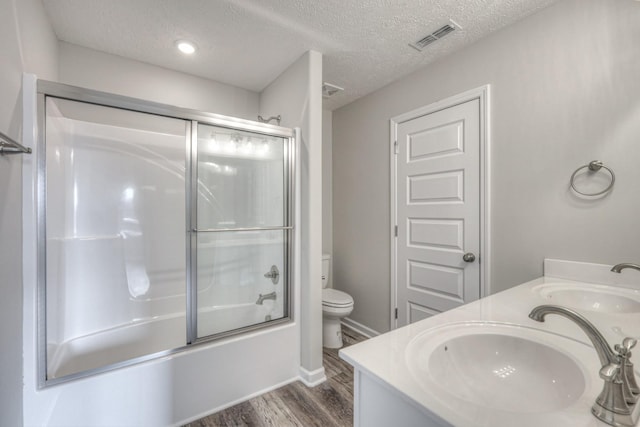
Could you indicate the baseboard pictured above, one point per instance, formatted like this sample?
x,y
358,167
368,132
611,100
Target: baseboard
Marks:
x,y
359,327
235,402
312,378
308,378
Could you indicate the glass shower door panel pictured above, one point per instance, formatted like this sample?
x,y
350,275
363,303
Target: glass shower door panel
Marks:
x,y
233,291
115,235
241,229
241,177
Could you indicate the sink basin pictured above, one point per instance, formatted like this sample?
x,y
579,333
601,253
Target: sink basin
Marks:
x,y
591,297
500,367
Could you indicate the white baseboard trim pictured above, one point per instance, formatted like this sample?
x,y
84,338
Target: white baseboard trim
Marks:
x,y
360,328
235,402
312,378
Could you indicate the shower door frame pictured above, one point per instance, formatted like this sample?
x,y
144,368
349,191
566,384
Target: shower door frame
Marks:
x,y
192,118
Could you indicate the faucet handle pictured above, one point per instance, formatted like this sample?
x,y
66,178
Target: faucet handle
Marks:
x,y
610,372
632,391
612,398
621,350
624,349
627,376
629,343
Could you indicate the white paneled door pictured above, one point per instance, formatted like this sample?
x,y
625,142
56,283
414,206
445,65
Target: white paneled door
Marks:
x,y
438,211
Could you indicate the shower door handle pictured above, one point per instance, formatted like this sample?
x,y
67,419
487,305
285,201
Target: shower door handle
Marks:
x,y
273,274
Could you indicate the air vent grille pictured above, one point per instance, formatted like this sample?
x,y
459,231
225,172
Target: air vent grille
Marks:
x,y
435,36
443,31
422,43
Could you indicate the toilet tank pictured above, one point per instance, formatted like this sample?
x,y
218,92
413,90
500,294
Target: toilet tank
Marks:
x,y
326,260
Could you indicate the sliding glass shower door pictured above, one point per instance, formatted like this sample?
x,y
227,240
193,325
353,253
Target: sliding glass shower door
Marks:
x,y
158,228
242,229
114,234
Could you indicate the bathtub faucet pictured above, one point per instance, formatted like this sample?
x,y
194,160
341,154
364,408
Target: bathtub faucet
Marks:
x,y
616,403
619,267
261,297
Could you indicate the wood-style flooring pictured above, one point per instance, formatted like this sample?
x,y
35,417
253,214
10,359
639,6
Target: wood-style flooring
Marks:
x,y
326,405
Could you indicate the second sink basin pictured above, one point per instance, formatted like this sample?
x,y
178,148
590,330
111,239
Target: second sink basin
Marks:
x,y
500,367
591,297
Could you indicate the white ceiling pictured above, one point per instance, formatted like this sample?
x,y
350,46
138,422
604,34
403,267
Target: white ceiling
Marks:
x,y
248,43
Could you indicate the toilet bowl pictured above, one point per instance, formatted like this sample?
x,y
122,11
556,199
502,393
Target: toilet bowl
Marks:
x,y
335,305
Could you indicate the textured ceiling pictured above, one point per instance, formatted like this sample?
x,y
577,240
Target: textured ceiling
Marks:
x,y
248,43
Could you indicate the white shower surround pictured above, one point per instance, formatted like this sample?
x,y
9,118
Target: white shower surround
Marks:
x,y
115,266
167,391
110,263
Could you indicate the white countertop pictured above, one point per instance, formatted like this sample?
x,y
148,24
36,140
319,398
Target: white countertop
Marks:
x,y
386,357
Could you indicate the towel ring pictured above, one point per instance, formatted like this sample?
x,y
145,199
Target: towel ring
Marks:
x,y
593,166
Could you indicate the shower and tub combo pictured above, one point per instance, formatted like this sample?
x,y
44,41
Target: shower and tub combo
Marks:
x,y
158,228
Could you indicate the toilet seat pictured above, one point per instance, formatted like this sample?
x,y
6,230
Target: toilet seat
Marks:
x,y
335,298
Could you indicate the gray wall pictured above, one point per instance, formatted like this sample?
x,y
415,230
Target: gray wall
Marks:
x,y
27,44
80,66
564,90
10,236
296,96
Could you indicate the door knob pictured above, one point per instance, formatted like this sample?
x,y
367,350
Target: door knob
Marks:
x,y
468,257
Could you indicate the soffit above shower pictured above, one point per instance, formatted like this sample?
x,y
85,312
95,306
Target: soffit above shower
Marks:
x,y
248,43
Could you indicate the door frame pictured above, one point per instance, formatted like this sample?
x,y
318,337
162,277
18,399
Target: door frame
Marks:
x,y
482,94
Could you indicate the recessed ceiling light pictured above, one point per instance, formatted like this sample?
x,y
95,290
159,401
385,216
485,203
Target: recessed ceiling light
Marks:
x,y
186,47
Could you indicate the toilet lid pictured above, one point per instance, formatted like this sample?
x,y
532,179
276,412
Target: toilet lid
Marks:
x,y
335,298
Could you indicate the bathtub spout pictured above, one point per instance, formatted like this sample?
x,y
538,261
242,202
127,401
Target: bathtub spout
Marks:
x,y
261,297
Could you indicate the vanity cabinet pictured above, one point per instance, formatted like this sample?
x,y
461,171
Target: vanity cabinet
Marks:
x,y
376,404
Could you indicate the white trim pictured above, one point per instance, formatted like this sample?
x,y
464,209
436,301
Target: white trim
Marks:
x,y
312,378
359,328
481,93
357,403
235,402
485,190
393,205
29,240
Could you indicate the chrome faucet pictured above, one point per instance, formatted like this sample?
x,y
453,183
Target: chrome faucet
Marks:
x,y
616,403
261,297
605,353
619,267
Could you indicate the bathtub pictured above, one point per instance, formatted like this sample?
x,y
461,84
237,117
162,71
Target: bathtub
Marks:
x,y
143,339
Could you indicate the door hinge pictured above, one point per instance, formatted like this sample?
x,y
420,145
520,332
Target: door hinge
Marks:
x,y
395,231
395,147
396,313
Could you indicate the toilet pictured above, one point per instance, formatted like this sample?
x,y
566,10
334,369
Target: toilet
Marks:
x,y
335,305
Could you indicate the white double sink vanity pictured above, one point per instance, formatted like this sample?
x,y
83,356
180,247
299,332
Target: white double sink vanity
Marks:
x,y
488,363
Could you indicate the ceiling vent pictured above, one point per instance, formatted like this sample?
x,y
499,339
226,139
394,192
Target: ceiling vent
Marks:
x,y
328,90
435,36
